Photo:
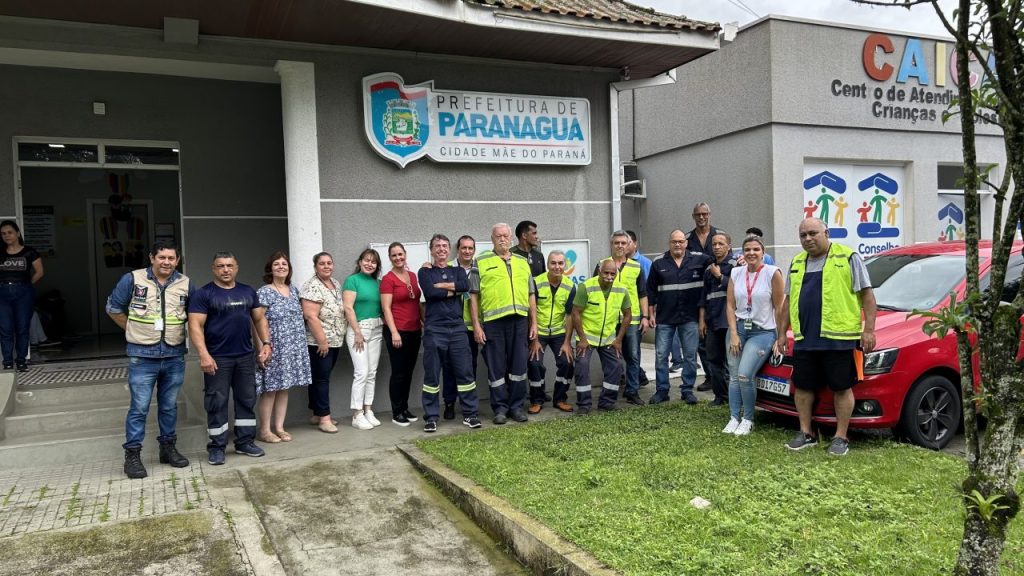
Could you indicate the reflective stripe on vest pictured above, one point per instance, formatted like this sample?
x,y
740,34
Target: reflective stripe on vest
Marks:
x,y
501,294
840,305
551,307
627,276
144,310
601,315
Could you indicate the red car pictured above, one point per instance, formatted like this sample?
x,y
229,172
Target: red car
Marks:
x,y
911,381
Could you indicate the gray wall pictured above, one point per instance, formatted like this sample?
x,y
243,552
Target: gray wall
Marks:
x,y
350,169
231,147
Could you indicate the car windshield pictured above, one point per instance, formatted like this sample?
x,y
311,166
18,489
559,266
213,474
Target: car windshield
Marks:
x,y
908,281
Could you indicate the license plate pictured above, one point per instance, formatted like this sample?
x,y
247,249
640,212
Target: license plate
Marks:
x,y
773,385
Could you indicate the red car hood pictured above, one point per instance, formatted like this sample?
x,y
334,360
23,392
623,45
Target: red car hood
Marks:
x,y
895,330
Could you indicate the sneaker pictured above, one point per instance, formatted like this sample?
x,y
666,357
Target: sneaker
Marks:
x,y
634,399
689,398
675,370
500,418
519,416
801,441
731,427
8,366
534,409
400,419
704,387
657,399
359,422
717,402
472,422
563,406
371,417
449,411
839,447
216,456
583,411
22,367
430,426
745,427
249,449
409,416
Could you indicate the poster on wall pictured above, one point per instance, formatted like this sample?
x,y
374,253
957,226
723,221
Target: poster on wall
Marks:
x,y
39,229
577,255
861,204
951,221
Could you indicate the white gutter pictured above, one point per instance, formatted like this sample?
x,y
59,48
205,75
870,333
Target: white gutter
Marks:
x,y
613,106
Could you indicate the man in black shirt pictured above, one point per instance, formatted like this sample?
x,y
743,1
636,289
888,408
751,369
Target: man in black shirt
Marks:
x,y
528,247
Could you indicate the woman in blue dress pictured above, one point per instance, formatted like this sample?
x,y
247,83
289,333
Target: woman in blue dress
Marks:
x,y
288,366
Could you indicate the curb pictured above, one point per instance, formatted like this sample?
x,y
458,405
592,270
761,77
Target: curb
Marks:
x,y
534,545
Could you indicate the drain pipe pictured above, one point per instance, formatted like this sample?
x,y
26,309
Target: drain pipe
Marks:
x,y
613,106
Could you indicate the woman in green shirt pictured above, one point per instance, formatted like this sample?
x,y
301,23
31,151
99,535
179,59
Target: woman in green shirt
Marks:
x,y
361,295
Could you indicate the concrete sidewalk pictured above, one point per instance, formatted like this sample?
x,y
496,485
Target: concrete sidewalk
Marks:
x,y
344,503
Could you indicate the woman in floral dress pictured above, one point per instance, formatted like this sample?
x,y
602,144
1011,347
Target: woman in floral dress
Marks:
x,y
288,366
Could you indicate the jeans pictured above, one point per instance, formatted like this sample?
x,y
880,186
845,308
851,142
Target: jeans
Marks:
x,y
235,376
144,375
320,387
663,336
755,347
676,356
16,302
403,363
631,355
364,362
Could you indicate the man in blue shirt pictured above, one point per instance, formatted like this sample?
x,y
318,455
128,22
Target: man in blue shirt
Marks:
x,y
220,320
713,325
150,306
445,338
673,291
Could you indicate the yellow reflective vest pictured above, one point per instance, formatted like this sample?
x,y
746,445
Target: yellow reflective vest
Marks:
x,y
840,305
627,276
503,294
601,315
551,307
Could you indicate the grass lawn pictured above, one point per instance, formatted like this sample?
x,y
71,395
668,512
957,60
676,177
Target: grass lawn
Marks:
x,y
619,486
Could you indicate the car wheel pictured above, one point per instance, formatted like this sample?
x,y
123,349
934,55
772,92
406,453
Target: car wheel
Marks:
x,y
931,413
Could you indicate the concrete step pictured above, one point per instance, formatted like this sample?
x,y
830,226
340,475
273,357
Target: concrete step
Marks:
x,y
73,394
28,421
53,449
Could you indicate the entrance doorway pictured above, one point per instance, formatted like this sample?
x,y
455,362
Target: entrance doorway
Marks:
x,y
93,217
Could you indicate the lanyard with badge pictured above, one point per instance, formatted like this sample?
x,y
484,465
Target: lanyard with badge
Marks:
x,y
748,323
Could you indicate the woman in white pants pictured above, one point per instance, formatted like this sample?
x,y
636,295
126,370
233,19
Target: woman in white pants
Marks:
x,y
361,295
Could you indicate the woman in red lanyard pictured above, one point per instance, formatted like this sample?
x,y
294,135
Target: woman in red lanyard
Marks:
x,y
756,291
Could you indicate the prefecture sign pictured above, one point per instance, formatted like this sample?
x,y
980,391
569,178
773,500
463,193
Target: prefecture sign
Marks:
x,y
405,123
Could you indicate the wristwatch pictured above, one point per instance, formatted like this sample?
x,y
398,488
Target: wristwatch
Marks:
x,y
266,343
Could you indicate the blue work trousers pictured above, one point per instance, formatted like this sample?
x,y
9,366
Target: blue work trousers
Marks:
x,y
236,377
563,370
165,375
448,390
447,347
611,368
505,353
631,356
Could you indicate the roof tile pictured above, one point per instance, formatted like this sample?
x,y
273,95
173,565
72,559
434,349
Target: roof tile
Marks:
x,y
609,10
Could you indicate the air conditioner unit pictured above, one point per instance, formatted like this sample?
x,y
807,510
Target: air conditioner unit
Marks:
x,y
632,185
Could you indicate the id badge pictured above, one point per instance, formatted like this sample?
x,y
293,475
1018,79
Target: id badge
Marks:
x,y
748,324
158,324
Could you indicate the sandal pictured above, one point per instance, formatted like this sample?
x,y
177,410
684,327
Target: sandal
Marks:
x,y
328,426
284,436
268,438
315,421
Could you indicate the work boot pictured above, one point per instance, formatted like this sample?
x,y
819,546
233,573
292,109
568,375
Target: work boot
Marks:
x,y
133,467
169,455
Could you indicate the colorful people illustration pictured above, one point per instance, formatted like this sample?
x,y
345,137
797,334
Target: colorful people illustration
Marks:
x,y
890,217
841,206
864,210
810,209
823,201
951,231
877,202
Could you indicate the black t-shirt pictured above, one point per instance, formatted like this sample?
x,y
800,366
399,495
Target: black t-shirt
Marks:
x,y
18,267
